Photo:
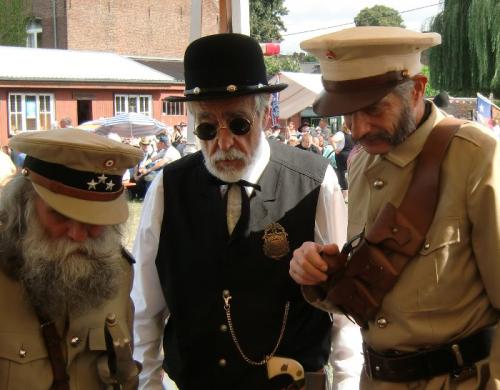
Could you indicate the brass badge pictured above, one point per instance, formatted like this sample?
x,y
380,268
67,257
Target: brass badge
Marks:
x,y
275,241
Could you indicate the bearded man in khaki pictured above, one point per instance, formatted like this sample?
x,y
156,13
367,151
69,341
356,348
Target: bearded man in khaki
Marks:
x,y
435,327
64,279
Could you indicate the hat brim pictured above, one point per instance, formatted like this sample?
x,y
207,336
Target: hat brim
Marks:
x,y
223,94
333,103
112,212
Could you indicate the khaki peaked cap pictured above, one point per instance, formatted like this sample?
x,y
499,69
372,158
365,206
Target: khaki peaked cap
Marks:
x,y
361,65
78,173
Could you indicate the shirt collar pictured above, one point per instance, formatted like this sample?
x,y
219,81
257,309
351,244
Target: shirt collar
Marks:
x,y
408,151
259,163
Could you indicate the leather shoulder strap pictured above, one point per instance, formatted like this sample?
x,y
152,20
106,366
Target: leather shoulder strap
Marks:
x,y
420,201
53,345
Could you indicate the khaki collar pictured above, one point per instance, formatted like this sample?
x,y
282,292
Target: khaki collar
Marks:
x,y
408,151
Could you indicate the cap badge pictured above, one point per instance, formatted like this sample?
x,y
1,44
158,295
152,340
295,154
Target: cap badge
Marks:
x,y
275,241
196,90
109,163
330,54
231,88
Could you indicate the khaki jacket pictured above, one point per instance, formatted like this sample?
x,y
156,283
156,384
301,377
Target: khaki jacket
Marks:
x,y
24,363
452,289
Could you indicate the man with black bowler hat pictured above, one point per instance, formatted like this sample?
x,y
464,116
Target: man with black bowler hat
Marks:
x,y
217,233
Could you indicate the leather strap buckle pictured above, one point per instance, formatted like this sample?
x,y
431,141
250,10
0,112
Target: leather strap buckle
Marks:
x,y
461,373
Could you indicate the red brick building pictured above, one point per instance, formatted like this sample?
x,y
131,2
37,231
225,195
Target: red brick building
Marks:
x,y
39,87
36,90
138,28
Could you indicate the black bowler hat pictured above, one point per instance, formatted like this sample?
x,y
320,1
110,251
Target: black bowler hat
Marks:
x,y
223,66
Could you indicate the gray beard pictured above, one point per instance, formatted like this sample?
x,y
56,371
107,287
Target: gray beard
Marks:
x,y
64,277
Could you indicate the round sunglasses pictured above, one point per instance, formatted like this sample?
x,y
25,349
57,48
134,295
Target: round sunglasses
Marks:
x,y
207,131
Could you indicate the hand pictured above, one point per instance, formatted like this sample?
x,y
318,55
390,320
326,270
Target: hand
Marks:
x,y
307,266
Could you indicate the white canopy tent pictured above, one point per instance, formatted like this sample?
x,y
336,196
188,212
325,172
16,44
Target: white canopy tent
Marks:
x,y
302,89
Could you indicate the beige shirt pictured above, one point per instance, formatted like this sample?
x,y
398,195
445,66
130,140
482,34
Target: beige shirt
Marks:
x,y
24,363
452,289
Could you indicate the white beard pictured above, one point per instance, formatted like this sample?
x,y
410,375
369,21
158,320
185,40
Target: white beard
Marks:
x,y
229,175
61,276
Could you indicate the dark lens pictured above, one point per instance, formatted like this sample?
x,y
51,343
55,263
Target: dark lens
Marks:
x,y
206,131
239,126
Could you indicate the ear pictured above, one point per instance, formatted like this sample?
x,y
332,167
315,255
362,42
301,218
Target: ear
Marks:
x,y
419,88
265,117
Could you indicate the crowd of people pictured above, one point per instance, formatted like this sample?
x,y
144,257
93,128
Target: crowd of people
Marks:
x,y
249,271
334,146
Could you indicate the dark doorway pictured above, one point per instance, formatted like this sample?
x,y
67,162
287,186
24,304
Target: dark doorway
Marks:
x,y
84,108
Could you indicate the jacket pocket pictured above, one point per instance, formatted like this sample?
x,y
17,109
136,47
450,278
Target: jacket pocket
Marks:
x,y
24,363
419,287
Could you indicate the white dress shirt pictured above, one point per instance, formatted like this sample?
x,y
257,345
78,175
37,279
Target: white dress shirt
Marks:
x,y
151,311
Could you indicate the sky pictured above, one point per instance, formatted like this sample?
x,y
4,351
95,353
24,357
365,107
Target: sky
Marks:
x,y
306,15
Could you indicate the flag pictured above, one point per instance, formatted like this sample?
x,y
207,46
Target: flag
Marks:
x,y
275,105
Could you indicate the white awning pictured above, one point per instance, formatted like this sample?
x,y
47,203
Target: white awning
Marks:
x,y
302,89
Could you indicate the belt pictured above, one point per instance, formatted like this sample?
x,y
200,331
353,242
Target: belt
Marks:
x,y
456,359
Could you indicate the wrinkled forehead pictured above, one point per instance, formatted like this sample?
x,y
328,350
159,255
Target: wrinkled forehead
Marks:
x,y
223,107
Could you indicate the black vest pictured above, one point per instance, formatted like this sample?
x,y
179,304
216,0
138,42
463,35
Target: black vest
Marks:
x,y
197,260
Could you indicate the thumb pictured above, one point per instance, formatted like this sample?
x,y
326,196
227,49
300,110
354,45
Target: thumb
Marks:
x,y
330,249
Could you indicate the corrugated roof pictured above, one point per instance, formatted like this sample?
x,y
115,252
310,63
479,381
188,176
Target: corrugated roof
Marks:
x,y
21,63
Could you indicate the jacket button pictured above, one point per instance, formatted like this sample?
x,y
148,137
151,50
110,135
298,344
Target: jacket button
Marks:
x,y
74,341
226,293
382,322
378,184
427,246
223,328
222,363
22,353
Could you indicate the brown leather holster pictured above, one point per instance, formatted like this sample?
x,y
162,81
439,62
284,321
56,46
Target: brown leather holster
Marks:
x,y
370,264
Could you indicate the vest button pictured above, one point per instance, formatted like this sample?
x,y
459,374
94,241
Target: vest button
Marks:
x,y
378,184
382,322
226,293
222,362
223,328
74,341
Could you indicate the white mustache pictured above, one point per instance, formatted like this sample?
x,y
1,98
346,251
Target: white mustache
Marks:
x,y
231,154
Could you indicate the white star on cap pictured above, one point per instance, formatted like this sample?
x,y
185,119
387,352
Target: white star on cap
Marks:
x,y
102,178
109,185
92,184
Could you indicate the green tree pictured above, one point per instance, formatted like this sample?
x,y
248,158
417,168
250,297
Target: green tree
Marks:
x,y
468,60
265,20
378,15
275,64
430,91
13,22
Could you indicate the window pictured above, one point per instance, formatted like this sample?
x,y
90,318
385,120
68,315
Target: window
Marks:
x,y
133,103
174,108
34,33
30,111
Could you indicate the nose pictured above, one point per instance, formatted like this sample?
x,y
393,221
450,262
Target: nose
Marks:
x,y
225,138
79,232
360,125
